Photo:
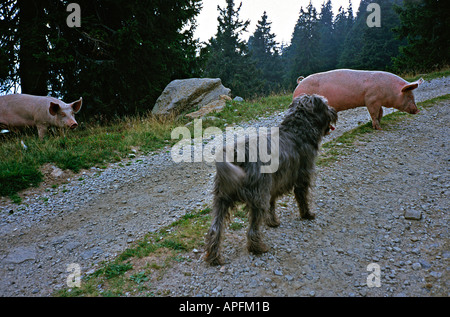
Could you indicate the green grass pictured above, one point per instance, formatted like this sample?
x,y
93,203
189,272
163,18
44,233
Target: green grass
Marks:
x,y
413,77
249,110
93,146
113,270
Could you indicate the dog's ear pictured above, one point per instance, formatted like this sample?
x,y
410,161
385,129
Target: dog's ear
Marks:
x,y
333,114
318,103
296,102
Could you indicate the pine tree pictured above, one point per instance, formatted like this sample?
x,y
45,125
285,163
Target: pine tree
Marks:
x,y
302,56
341,27
8,58
350,56
138,48
328,53
380,43
227,57
371,47
425,26
350,14
230,29
265,52
262,43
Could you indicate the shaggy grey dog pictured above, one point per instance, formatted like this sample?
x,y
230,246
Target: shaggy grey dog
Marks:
x,y
308,119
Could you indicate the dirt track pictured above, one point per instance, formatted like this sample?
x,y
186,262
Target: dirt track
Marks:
x,y
360,203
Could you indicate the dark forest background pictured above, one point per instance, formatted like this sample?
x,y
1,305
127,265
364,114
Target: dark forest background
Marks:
x,y
127,51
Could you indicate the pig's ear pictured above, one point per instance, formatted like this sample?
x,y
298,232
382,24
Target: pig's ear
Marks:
x,y
76,106
410,86
54,108
413,85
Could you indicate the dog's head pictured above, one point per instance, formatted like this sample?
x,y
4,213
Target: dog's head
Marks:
x,y
317,110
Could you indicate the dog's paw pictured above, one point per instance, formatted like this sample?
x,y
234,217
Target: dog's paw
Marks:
x,y
258,248
213,260
273,222
308,216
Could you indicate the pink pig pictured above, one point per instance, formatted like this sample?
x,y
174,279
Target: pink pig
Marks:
x,y
348,89
21,110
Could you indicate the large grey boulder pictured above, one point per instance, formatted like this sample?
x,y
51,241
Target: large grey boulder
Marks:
x,y
186,94
214,106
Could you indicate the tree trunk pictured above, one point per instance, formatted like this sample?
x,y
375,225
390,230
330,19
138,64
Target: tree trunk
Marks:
x,y
33,67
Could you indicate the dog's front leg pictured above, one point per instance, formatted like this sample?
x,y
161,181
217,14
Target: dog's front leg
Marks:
x,y
301,195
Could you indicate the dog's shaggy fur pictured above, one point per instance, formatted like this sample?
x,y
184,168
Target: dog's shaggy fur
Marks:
x,y
308,119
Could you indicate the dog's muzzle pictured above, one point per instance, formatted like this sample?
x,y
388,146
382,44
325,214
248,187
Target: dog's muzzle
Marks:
x,y
330,128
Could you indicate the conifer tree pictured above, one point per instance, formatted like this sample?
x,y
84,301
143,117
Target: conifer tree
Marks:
x,y
327,44
265,52
227,57
380,43
302,56
425,25
342,25
351,53
371,47
23,46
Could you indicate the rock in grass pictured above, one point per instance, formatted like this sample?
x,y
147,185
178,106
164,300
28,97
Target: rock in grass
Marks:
x,y
186,94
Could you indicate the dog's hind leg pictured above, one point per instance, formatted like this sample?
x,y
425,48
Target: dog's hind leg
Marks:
x,y
213,238
301,195
254,236
272,219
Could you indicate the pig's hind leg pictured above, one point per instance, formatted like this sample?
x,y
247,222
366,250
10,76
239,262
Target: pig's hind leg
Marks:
x,y
376,113
380,114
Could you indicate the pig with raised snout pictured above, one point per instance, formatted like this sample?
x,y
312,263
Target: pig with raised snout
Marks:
x,y
22,110
348,89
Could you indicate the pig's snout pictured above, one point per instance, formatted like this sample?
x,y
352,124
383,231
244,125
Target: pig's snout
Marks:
x,y
73,126
414,111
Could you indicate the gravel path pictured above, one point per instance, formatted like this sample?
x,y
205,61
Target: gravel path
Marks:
x,y
360,203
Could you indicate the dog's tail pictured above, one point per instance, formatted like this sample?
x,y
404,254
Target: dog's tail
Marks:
x,y
299,80
229,176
